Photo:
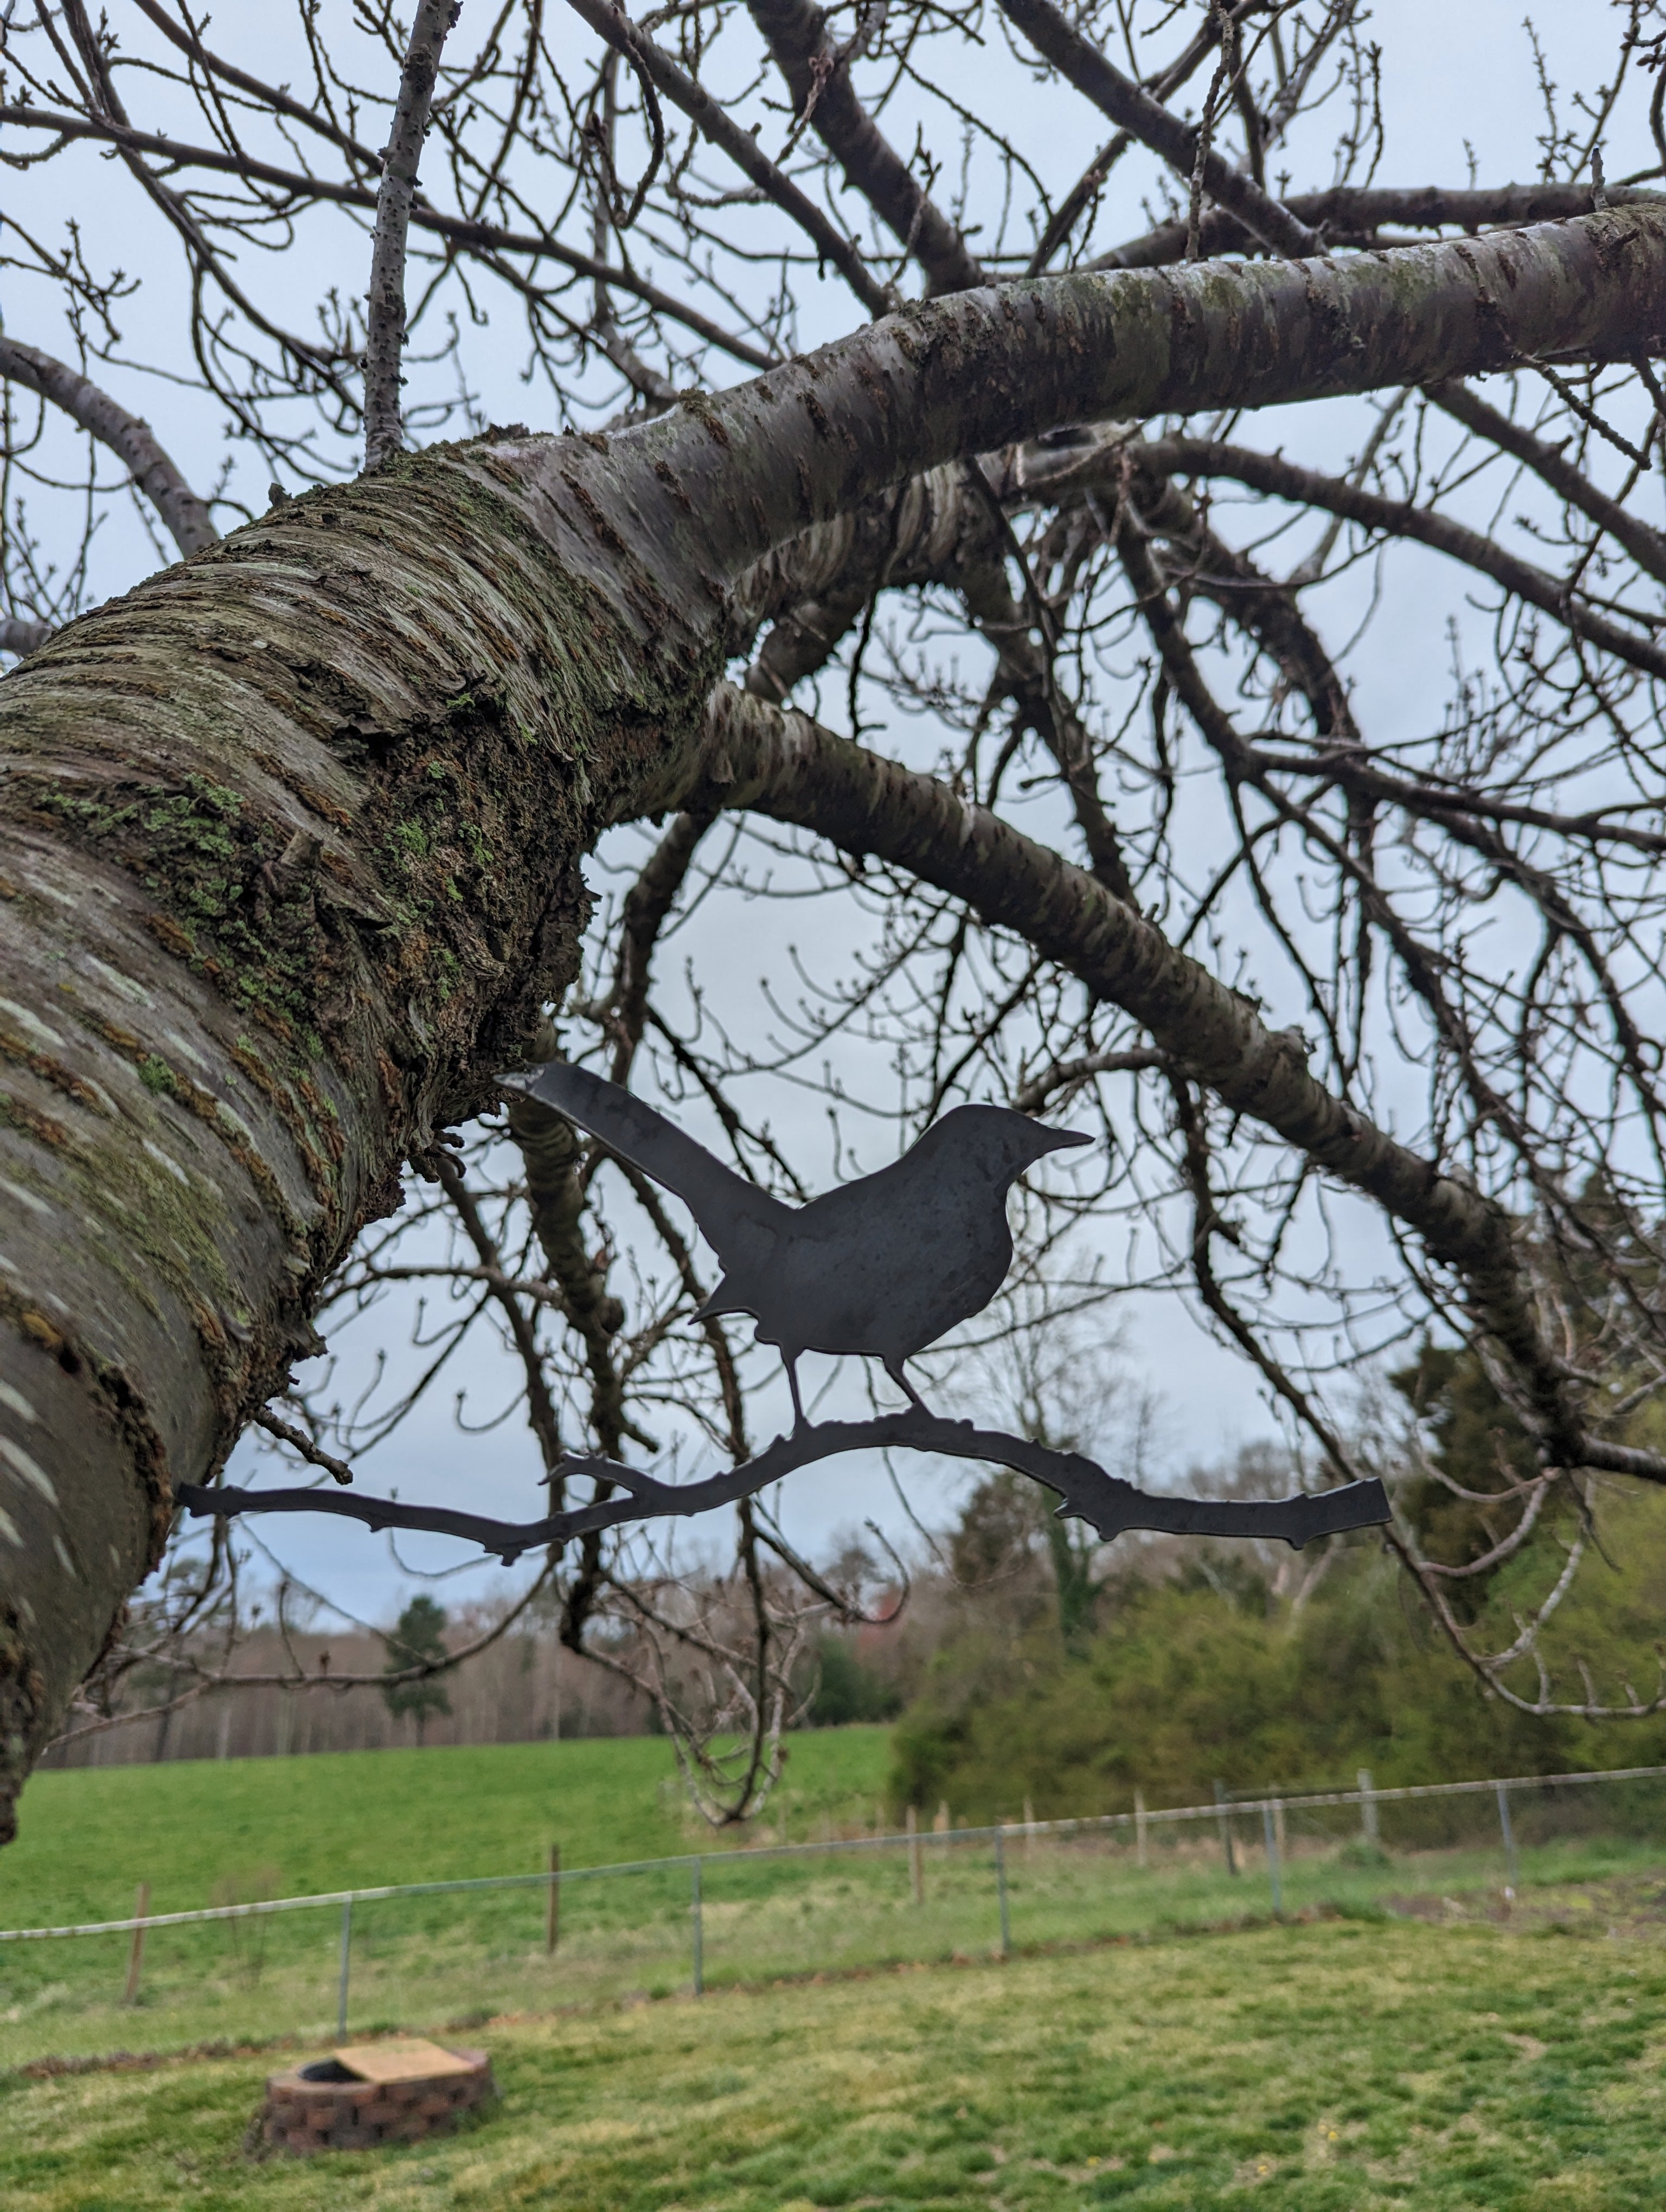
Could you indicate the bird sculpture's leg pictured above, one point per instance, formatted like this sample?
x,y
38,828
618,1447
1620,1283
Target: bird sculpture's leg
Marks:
x,y
789,1360
900,1378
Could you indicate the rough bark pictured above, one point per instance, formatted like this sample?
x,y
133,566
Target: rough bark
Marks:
x,y
289,836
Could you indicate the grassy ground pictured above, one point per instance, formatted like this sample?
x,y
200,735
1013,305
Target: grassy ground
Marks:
x,y
355,1819
429,1963
1335,2067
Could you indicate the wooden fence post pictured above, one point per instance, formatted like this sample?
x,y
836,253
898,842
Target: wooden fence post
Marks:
x,y
136,1955
1370,1827
1141,1858
1270,1831
696,1928
1001,1893
916,1877
552,1904
1224,1823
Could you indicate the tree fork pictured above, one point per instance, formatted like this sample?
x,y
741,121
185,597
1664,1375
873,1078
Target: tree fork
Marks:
x,y
290,835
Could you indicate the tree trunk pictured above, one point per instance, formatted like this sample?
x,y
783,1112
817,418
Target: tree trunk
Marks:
x,y
290,837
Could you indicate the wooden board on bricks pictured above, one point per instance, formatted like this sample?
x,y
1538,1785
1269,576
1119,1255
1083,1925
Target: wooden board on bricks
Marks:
x,y
403,2058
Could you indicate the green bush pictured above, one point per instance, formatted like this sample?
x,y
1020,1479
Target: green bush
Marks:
x,y
1205,1679
848,1690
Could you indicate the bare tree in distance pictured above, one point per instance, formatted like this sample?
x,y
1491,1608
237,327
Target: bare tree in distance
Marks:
x,y
1067,407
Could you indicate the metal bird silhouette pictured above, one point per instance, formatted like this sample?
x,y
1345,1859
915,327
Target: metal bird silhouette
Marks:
x,y
882,1266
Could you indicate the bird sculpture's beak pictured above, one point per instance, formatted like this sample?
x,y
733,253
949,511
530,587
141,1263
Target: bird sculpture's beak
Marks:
x,y
1058,1140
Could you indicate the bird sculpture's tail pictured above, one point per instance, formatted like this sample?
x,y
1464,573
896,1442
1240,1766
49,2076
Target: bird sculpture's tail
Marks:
x,y
724,1204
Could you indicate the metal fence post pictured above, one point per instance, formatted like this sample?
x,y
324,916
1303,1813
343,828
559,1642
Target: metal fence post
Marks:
x,y
1223,1822
1270,1829
136,1952
1368,1827
346,1965
697,1928
552,1905
1141,1858
1509,1834
916,1877
1001,1890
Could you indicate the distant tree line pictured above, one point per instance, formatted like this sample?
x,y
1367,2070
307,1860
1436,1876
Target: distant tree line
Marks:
x,y
1179,1665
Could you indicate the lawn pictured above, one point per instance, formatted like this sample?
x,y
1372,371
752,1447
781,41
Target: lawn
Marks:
x,y
357,1819
211,1832
1335,2067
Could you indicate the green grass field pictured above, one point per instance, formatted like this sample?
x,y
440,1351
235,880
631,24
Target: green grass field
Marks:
x,y
204,1833
363,1819
1340,2067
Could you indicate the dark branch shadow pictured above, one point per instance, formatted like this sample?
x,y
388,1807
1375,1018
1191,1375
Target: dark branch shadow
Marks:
x,y
1107,1503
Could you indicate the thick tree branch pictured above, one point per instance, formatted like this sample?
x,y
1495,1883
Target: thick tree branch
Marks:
x,y
132,440
823,97
783,765
1354,215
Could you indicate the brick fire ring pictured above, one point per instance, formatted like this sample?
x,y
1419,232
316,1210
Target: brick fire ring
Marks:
x,y
371,2093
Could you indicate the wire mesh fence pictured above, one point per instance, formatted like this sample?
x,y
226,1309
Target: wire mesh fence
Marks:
x,y
447,1955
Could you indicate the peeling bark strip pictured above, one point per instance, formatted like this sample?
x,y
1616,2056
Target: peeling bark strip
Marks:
x,y
132,440
385,332
289,836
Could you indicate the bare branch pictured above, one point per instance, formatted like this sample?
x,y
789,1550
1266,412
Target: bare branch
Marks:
x,y
823,96
385,329
1108,1504
132,441
625,37
1180,144
1354,215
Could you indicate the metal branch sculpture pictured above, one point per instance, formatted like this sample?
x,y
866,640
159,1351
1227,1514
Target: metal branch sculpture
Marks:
x,y
882,1267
